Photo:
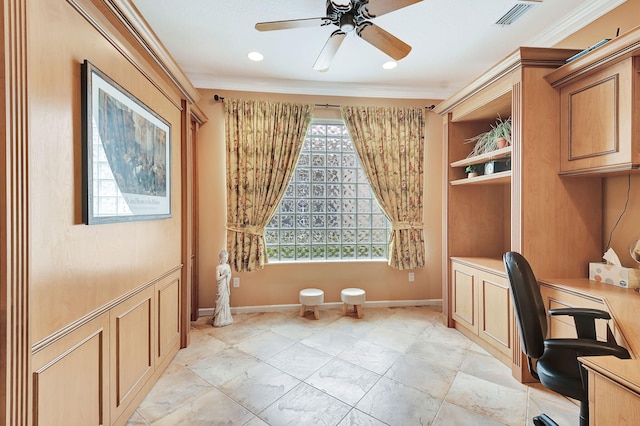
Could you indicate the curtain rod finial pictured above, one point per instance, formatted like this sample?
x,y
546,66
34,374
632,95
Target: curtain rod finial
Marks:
x,y
218,98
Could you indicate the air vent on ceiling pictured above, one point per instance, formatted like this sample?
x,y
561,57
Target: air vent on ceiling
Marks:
x,y
516,12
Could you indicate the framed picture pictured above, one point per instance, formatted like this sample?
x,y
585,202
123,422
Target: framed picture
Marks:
x,y
126,154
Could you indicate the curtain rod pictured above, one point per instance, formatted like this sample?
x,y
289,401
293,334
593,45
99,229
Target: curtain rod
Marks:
x,y
221,99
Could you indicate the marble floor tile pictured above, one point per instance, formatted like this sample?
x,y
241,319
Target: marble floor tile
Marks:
x,y
177,386
305,405
211,408
500,403
485,366
224,365
256,421
201,347
259,387
395,366
352,326
398,340
299,360
330,341
563,411
371,356
343,380
438,333
438,354
137,420
422,374
295,329
358,418
234,333
451,414
397,404
265,345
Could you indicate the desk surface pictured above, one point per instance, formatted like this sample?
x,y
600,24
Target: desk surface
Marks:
x,y
624,307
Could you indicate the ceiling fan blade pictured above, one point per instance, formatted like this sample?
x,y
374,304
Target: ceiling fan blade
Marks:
x,y
293,23
329,51
381,39
380,7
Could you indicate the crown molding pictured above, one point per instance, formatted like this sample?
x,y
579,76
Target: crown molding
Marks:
x,y
304,87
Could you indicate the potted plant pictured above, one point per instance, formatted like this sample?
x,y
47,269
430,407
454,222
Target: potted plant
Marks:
x,y
498,137
502,132
472,170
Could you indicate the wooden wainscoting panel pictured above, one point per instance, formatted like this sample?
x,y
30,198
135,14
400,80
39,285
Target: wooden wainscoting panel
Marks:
x,y
70,378
168,317
132,340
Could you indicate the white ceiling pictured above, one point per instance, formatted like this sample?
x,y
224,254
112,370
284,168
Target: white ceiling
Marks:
x,y
453,42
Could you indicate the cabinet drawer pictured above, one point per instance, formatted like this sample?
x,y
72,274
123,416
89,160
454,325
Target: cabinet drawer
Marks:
x,y
598,127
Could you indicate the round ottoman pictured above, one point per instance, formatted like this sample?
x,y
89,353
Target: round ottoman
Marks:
x,y
355,297
311,297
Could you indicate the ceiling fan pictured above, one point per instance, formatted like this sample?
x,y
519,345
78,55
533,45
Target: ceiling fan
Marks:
x,y
350,15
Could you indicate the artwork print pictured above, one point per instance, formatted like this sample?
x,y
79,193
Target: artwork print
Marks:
x,y
126,149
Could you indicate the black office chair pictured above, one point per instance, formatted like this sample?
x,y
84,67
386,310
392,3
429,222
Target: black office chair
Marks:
x,y
557,366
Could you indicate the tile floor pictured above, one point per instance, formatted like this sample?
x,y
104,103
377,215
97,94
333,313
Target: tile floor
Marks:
x,y
396,366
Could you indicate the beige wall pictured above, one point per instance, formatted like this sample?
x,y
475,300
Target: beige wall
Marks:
x,y
279,284
75,269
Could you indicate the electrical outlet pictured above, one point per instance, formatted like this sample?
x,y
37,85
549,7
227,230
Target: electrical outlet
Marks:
x,y
236,282
411,277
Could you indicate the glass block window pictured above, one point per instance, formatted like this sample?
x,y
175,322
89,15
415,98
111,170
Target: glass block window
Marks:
x,y
328,211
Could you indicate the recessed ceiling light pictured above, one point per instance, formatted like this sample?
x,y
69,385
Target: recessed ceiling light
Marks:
x,y
389,65
255,56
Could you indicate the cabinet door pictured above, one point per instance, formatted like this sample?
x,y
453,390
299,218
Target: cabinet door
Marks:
x,y
495,311
463,296
597,121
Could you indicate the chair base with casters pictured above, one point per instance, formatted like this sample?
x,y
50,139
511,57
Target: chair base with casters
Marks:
x,y
556,360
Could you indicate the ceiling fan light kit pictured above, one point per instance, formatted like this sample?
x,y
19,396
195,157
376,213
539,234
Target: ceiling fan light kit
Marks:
x,y
350,15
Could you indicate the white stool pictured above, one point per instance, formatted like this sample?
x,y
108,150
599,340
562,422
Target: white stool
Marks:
x,y
355,297
311,297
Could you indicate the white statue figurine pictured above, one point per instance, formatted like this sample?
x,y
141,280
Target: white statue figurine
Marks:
x,y
222,314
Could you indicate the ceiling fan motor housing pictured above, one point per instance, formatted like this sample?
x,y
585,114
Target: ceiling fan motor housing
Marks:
x,y
347,15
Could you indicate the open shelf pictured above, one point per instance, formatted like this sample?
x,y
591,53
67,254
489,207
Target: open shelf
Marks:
x,y
494,178
489,156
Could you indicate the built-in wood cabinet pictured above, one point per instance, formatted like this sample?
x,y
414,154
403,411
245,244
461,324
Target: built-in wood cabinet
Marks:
x,y
528,209
600,94
481,303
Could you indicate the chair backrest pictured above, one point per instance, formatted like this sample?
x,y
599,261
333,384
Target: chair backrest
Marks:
x,y
527,303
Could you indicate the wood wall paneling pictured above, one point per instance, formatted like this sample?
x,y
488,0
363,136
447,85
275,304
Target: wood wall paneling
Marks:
x,y
168,318
133,330
71,377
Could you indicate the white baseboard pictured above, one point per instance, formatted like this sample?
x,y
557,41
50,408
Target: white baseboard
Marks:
x,y
203,312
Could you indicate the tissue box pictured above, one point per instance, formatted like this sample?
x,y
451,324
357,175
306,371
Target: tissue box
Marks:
x,y
615,275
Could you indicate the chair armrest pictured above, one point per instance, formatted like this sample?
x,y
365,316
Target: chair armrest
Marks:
x,y
584,319
587,347
586,312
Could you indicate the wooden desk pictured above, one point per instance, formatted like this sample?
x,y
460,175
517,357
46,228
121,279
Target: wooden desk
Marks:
x,y
614,384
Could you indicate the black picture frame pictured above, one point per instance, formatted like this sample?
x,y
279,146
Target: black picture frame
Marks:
x,y
126,149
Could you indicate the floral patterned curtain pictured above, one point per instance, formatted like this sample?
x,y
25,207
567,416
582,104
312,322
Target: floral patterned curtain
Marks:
x,y
263,142
390,144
